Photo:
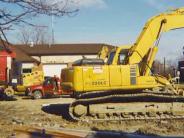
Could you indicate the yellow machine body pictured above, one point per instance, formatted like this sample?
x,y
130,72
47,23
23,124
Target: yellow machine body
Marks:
x,y
36,77
131,69
107,77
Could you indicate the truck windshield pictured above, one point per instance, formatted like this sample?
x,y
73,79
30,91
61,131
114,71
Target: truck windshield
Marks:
x,y
47,82
111,57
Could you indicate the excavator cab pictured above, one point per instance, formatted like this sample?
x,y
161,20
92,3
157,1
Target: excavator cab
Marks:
x,y
118,55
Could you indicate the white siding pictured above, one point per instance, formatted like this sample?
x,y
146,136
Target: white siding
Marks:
x,y
27,65
53,64
64,59
90,56
53,69
36,57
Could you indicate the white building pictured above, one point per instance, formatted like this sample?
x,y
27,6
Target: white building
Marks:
x,y
56,57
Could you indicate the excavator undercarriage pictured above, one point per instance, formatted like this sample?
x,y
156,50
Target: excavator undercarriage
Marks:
x,y
130,106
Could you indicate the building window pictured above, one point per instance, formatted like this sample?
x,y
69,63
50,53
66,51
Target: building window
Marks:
x,y
26,70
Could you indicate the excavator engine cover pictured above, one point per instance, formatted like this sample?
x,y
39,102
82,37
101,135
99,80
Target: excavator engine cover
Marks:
x,y
91,61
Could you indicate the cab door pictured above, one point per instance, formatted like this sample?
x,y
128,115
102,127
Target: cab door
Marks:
x,y
115,75
48,86
120,71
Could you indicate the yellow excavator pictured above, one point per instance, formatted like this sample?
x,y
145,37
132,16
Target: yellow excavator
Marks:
x,y
125,88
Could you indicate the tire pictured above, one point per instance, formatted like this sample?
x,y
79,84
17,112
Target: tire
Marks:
x,y
37,94
9,92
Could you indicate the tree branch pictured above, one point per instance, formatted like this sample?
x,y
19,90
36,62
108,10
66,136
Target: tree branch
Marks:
x,y
25,9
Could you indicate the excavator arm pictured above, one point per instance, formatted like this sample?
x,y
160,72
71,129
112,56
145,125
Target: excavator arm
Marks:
x,y
151,32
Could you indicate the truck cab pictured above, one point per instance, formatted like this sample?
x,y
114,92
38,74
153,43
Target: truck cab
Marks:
x,y
50,87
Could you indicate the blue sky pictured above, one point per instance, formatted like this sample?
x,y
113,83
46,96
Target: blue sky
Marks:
x,y
116,22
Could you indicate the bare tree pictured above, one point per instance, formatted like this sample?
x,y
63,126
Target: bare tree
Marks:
x,y
24,36
170,68
16,12
40,35
37,35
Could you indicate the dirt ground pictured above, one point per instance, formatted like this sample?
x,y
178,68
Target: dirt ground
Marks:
x,y
28,112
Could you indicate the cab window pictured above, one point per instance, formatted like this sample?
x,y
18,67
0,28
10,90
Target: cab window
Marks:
x,y
47,82
122,57
110,59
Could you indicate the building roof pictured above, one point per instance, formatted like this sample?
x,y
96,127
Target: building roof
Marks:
x,y
20,55
63,49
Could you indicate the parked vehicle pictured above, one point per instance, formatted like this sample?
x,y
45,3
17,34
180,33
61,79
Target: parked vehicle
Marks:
x,y
49,88
34,77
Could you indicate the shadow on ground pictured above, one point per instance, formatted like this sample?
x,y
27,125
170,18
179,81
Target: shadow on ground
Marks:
x,y
58,109
116,134
6,98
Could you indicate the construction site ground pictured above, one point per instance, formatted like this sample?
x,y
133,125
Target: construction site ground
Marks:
x,y
52,113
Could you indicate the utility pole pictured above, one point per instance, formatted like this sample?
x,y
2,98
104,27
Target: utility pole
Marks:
x,y
164,67
52,25
52,31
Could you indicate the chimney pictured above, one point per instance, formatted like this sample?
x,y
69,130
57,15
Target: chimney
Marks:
x,y
31,44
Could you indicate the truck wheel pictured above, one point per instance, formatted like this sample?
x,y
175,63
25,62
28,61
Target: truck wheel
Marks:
x,y
9,92
26,92
37,94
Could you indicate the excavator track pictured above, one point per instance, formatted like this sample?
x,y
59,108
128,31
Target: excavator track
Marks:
x,y
138,106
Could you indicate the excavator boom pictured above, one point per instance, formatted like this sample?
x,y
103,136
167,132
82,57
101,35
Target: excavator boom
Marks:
x,y
152,31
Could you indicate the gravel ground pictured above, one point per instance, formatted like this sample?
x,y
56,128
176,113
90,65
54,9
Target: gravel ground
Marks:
x,y
28,112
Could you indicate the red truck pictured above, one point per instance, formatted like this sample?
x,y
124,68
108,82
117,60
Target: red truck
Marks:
x,y
50,87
